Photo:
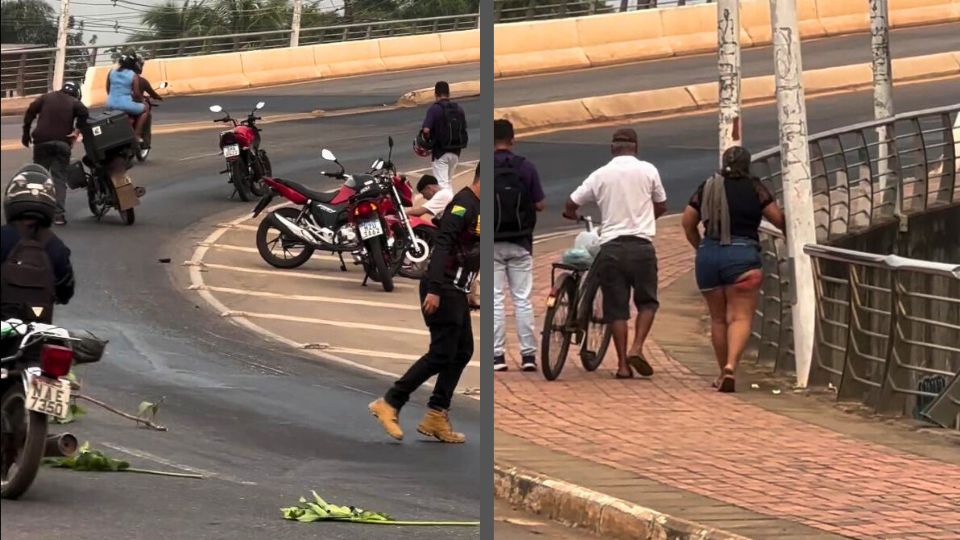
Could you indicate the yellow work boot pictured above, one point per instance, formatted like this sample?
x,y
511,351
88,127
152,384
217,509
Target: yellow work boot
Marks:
x,y
387,416
436,424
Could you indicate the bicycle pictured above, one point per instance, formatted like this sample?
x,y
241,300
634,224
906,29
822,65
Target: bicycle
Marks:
x,y
574,315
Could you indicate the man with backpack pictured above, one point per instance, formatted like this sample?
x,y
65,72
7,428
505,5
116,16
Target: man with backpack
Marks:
x,y
60,115
444,133
35,270
518,196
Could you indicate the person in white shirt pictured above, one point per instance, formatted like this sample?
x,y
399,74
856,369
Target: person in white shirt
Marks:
x,y
631,197
435,198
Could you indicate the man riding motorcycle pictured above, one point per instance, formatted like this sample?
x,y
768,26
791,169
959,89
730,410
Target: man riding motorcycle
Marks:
x,y
125,90
35,270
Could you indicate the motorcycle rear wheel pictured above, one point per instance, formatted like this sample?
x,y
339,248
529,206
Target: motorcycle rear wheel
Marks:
x,y
28,441
128,216
268,236
239,175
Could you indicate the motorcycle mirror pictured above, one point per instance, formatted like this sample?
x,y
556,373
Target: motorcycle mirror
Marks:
x,y
216,108
328,155
390,141
260,105
163,85
377,164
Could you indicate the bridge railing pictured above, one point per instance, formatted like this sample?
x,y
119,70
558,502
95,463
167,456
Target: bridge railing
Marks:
x,y
532,10
888,329
25,72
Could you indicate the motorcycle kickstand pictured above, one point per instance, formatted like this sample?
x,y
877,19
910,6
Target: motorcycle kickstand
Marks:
x,y
366,277
343,265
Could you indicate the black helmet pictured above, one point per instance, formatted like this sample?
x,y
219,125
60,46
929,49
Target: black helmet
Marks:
x,y
72,88
129,60
31,194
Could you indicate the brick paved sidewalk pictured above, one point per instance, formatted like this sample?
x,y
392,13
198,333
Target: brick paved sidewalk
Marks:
x,y
675,430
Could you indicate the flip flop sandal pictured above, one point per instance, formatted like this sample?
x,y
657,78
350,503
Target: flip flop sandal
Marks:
x,y
639,363
728,384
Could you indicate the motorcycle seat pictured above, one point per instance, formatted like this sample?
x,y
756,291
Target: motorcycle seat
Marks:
x,y
319,196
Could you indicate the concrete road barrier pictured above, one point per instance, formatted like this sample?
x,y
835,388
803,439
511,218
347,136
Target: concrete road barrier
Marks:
x,y
284,66
409,52
348,58
202,74
633,105
460,47
623,37
536,47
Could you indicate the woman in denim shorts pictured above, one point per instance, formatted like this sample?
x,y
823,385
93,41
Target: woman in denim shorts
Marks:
x,y
730,204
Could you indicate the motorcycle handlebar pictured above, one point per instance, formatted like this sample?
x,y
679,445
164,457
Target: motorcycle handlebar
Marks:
x,y
332,175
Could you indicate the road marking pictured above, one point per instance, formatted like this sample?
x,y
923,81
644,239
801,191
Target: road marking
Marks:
x,y
238,227
382,354
199,156
306,298
326,322
163,461
243,249
279,273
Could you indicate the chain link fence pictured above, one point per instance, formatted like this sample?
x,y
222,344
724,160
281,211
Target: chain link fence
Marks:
x,y
25,72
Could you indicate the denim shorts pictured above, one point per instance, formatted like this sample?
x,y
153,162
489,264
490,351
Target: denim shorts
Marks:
x,y
719,266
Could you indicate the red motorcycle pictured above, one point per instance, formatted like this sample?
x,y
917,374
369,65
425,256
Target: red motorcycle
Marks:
x,y
363,217
247,164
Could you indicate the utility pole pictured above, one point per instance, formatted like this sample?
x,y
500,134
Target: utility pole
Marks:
x,y
728,60
883,95
295,27
795,174
61,59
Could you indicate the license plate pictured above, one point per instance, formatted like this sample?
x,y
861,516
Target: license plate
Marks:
x,y
48,396
370,229
232,150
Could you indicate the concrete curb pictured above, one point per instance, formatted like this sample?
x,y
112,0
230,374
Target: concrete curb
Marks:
x,y
576,113
600,514
425,95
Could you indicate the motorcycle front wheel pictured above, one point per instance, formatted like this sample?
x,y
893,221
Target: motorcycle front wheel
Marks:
x,y
270,239
24,436
379,264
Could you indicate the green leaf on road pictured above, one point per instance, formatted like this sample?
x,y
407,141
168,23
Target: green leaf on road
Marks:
x,y
321,510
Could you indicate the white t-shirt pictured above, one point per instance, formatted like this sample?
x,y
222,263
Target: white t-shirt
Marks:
x,y
439,202
625,190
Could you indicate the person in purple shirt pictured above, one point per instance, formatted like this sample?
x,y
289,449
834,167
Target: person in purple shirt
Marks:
x,y
513,245
445,126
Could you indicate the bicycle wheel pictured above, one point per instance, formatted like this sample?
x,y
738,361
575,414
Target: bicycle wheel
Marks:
x,y
598,333
556,336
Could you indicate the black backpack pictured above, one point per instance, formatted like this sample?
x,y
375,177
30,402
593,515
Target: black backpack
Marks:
x,y
454,136
27,283
514,215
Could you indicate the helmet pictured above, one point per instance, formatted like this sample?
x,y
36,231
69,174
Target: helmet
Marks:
x,y
129,60
31,193
72,88
422,145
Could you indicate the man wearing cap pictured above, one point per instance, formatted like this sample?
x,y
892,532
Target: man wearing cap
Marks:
x,y
631,197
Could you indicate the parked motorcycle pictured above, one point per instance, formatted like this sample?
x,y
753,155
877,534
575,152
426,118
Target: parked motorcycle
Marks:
x,y
363,217
35,362
247,164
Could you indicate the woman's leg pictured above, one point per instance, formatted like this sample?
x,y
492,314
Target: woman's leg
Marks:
x,y
741,300
717,304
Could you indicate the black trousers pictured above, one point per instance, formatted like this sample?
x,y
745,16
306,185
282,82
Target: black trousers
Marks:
x,y
451,347
55,157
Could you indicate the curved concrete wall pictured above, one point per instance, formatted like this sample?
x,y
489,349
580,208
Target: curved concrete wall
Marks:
x,y
232,71
543,46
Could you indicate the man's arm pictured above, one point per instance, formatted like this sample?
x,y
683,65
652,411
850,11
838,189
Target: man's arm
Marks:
x,y
418,211
63,271
536,188
80,113
451,225
32,111
659,196
108,82
570,209
148,88
582,195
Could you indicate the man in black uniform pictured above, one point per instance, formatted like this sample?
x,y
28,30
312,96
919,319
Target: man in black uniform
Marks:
x,y
454,265
35,263
61,113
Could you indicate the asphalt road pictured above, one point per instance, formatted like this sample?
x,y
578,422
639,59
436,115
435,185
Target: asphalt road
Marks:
x,y
265,423
684,148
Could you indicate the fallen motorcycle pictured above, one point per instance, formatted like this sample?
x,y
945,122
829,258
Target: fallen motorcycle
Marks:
x,y
34,365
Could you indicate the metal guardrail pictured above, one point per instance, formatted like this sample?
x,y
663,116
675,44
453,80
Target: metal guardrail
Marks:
x,y
888,328
533,10
27,72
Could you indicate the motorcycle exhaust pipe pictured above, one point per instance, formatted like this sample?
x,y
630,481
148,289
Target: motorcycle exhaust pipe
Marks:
x,y
62,445
292,229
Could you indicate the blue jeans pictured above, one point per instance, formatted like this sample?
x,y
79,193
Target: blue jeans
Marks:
x,y
513,267
719,266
